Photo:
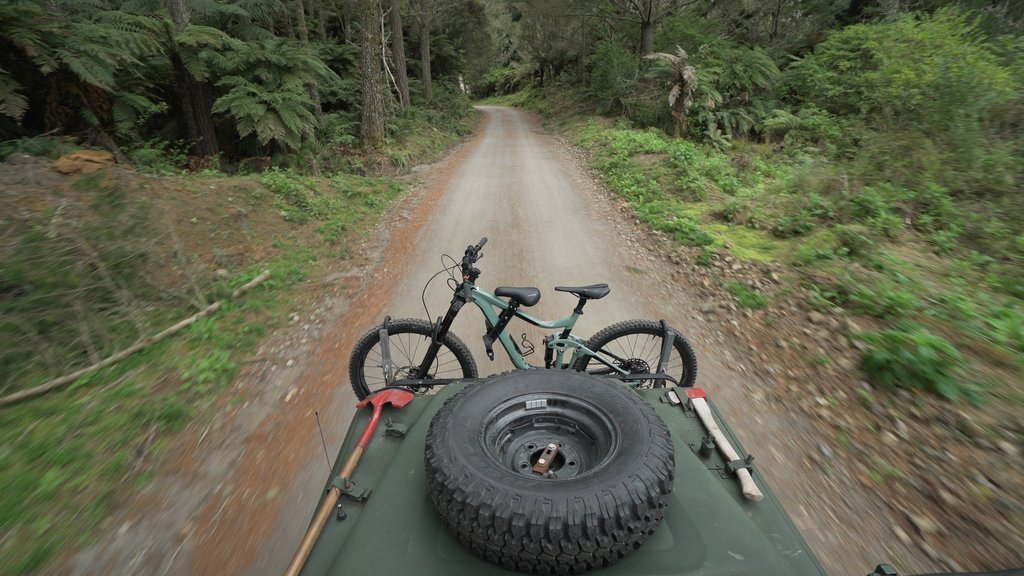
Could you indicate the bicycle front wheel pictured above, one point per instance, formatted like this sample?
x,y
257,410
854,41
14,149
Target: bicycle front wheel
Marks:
x,y
408,340
634,346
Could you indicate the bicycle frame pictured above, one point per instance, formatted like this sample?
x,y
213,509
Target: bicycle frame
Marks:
x,y
487,303
491,306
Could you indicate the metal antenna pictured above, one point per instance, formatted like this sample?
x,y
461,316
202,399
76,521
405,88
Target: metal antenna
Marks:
x,y
330,466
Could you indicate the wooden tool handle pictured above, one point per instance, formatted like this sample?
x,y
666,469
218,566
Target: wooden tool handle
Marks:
x,y
322,515
350,464
750,489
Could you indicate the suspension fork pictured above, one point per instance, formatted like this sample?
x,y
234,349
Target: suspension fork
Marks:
x,y
462,295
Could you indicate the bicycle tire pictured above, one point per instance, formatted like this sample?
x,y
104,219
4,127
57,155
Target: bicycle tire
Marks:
x,y
409,339
638,345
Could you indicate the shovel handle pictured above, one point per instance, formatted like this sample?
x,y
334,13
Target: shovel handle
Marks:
x,y
364,440
322,515
350,464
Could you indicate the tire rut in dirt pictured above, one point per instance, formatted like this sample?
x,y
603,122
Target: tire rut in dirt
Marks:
x,y
409,339
638,343
587,518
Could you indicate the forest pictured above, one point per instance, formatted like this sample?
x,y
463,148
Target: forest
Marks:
x,y
847,134
872,150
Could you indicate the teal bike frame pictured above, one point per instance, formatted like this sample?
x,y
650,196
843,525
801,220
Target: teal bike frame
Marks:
x,y
560,345
498,313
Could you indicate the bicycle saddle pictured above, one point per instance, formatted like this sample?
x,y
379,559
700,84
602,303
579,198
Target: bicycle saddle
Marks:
x,y
592,292
525,296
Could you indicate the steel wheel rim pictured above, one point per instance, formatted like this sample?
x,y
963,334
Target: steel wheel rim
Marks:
x,y
516,432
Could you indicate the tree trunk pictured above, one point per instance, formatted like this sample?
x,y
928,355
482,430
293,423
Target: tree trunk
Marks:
x,y
321,19
346,25
646,37
371,129
648,22
682,123
201,94
428,88
194,96
288,22
314,91
398,53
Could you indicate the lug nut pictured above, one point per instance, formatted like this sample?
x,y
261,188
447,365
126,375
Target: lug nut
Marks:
x,y
552,446
542,461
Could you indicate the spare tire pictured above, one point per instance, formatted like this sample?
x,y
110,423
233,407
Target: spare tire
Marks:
x,y
603,493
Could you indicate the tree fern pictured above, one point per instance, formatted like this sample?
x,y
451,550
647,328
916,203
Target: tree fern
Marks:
x,y
267,91
203,49
129,109
27,27
12,102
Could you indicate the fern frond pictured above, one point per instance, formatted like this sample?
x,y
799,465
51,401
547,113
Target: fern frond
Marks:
x,y
90,65
12,103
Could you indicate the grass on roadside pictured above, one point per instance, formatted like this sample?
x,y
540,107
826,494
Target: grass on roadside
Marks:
x,y
67,458
880,250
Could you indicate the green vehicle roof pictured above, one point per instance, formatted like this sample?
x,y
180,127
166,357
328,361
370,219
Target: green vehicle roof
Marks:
x,y
709,529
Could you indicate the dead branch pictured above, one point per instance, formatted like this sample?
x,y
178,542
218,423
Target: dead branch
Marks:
x,y
118,289
83,330
115,358
179,251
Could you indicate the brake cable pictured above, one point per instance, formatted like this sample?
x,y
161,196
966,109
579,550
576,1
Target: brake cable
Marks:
x,y
451,277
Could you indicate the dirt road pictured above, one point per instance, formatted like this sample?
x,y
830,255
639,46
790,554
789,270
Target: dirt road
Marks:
x,y
241,492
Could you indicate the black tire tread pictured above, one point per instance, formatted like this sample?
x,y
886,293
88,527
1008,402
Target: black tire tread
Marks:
x,y
403,325
574,535
627,327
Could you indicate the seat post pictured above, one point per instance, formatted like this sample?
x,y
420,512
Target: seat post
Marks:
x,y
579,307
577,310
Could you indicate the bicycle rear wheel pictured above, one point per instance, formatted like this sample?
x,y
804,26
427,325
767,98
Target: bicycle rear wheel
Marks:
x,y
635,346
408,340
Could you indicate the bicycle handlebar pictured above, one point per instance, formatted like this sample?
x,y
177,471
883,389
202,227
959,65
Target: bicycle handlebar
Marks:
x,y
471,256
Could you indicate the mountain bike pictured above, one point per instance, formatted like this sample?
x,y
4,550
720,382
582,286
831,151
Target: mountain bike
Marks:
x,y
419,354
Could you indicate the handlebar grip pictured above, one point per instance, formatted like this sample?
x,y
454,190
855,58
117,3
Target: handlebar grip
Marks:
x,y
481,243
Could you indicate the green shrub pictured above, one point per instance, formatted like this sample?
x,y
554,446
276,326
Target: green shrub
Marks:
x,y
874,201
500,80
902,67
944,241
48,146
883,300
943,102
613,76
746,297
855,240
912,357
704,257
806,255
810,128
790,225
211,371
158,157
299,198
933,209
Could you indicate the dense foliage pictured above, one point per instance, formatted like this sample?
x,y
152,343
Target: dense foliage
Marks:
x,y
233,79
882,142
